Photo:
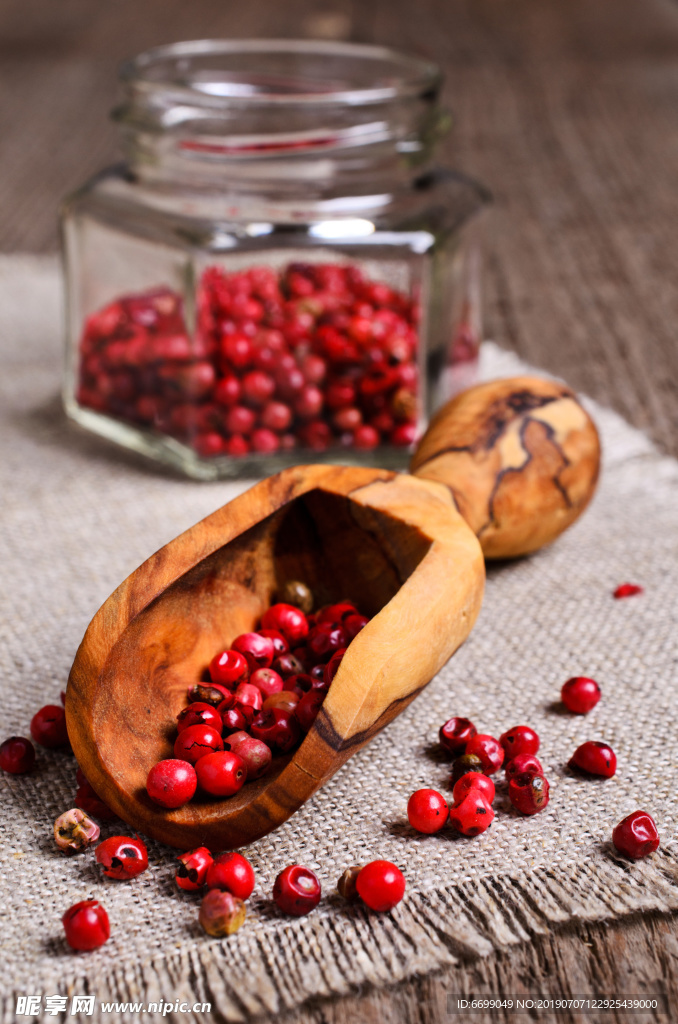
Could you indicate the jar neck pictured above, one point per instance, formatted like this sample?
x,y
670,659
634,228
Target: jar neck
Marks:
x,y
308,121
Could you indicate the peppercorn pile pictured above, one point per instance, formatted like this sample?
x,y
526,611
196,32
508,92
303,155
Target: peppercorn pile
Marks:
x,y
316,356
263,696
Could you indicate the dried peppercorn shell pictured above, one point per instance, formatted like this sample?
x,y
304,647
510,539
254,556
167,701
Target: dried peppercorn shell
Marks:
x,y
346,886
462,765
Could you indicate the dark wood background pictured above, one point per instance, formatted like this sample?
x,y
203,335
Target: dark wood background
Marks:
x,y
568,111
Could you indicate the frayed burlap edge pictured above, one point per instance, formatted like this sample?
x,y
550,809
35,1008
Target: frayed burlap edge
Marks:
x,y
338,952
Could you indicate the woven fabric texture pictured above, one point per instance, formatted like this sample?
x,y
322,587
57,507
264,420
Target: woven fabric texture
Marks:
x,y
77,515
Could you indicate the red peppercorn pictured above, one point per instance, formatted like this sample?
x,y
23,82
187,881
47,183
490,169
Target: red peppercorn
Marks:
x,y
324,639
17,755
308,707
121,857
228,667
521,764
472,815
488,749
381,885
463,765
199,713
287,665
276,416
285,700
280,644
171,783
595,758
48,726
288,620
473,781
192,870
365,437
237,446
264,440
197,740
267,681
248,695
455,734
296,890
353,624
277,728
257,387
528,793
86,925
227,390
636,835
231,871
519,740
580,694
221,774
233,720
627,590
258,651
427,811
255,753
332,666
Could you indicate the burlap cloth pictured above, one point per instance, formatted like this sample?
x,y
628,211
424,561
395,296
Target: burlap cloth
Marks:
x,y
77,516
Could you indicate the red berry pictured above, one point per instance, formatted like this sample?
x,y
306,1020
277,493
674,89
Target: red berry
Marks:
x,y
488,749
473,814
636,835
287,665
365,437
192,870
248,695
233,720
257,387
519,740
264,440
315,435
197,740
309,402
221,774
239,420
521,764
277,728
381,885
199,713
121,857
324,639
255,753
335,614
473,781
228,667
528,793
266,680
48,726
404,435
280,644
17,755
237,446
276,416
353,624
288,620
296,890
455,734
171,783
227,390
627,590
308,707
232,872
237,348
209,443
427,811
257,650
580,694
332,666
595,758
86,925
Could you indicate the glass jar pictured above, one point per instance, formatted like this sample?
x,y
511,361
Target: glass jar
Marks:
x,y
276,273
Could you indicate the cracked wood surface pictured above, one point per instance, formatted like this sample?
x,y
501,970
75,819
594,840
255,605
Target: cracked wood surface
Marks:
x,y
567,110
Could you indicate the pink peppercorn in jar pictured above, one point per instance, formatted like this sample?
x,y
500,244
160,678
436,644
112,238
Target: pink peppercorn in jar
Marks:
x,y
276,273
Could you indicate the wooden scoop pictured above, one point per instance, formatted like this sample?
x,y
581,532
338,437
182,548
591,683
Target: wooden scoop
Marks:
x,y
392,543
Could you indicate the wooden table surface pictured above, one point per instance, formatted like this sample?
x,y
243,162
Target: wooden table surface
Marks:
x,y
568,111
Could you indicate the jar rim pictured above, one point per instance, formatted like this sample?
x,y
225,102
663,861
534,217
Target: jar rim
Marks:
x,y
387,74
